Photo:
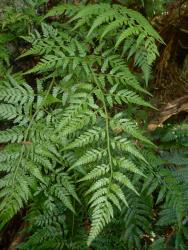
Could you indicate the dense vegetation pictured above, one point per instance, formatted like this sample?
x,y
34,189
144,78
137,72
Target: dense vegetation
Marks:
x,y
78,166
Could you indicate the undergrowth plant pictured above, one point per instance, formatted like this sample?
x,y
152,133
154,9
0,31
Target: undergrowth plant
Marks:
x,y
74,156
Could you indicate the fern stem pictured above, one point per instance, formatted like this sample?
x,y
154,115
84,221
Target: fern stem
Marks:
x,y
107,127
73,219
108,138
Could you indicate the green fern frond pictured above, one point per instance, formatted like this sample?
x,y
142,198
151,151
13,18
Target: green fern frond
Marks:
x,y
68,141
90,156
12,135
96,172
91,136
125,145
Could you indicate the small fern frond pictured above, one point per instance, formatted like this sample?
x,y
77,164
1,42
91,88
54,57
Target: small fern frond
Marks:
x,y
12,135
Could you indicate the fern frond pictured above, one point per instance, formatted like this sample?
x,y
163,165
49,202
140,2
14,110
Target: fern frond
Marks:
x,y
68,141
96,172
90,156
126,146
88,137
12,135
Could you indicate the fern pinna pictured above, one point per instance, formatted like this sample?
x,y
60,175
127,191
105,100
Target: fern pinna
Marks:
x,y
72,140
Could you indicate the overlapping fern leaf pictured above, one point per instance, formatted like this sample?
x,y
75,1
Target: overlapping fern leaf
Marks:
x,y
30,155
122,26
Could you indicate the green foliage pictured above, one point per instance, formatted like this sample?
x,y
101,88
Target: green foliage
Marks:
x,y
70,131
74,155
172,194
